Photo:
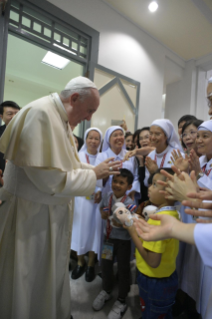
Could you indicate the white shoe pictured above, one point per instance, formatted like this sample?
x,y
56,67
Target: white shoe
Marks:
x,y
118,310
100,300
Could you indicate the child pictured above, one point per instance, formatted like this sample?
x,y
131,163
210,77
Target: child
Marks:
x,y
156,261
118,243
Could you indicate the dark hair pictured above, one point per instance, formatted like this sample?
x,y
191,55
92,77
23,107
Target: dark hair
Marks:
x,y
8,104
126,174
128,134
145,128
137,132
186,118
167,169
196,123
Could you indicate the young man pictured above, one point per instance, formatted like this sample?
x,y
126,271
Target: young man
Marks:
x,y
8,110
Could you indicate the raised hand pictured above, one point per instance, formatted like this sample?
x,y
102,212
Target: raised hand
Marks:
x,y
106,168
97,197
197,203
155,232
194,163
181,163
124,125
129,154
151,165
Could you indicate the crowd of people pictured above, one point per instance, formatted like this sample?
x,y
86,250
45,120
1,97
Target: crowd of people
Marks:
x,y
153,169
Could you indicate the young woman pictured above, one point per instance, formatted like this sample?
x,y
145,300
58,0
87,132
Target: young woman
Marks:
x,y
189,135
129,141
164,138
87,222
143,143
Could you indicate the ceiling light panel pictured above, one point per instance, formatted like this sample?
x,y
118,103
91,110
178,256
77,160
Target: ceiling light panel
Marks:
x,y
55,60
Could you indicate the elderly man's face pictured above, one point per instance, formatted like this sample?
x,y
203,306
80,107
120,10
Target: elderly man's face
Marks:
x,y
82,109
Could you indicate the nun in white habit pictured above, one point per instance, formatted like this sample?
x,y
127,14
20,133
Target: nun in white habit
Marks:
x,y
204,145
87,222
114,146
196,275
165,139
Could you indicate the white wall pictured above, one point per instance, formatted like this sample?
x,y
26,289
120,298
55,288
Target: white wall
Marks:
x,y
128,50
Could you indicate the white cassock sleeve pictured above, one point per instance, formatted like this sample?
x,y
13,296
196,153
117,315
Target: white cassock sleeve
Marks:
x,y
203,239
78,182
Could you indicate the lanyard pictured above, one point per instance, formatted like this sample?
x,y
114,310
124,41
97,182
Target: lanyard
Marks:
x,y
206,172
87,158
162,209
109,227
163,160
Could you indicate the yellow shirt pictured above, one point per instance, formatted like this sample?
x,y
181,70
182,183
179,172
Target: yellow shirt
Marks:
x,y
168,248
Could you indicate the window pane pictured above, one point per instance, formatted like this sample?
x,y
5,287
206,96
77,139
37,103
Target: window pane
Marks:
x,y
47,32
66,42
74,45
57,37
37,27
26,22
14,16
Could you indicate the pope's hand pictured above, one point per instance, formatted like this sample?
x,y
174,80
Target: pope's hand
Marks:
x,y
106,168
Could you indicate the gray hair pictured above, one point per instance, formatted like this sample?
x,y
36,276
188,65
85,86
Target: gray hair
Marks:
x,y
85,92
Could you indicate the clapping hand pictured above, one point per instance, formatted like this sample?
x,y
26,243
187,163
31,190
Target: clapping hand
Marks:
x,y
178,186
198,203
181,163
194,163
151,165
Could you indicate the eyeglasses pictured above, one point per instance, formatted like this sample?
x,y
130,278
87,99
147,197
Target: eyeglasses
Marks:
x,y
146,137
191,133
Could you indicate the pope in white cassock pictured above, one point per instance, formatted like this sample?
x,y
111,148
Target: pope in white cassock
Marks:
x,y
42,176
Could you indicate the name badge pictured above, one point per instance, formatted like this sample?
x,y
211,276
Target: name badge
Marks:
x,y
90,197
107,251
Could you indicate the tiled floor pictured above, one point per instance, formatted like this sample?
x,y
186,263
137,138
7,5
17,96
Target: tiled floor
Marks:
x,y
83,294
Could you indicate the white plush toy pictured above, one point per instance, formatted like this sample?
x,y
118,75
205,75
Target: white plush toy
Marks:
x,y
149,210
122,214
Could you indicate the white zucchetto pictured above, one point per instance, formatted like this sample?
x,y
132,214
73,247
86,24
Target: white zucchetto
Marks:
x,y
80,83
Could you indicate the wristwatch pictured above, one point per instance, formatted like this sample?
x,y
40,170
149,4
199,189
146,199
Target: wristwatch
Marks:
x,y
201,174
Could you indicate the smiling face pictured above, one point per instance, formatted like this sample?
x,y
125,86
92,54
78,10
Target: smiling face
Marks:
x,y
155,197
116,141
93,142
158,138
204,143
129,142
144,138
120,185
189,137
8,113
80,108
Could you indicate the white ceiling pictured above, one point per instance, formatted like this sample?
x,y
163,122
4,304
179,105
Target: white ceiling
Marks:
x,y
184,26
